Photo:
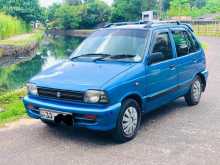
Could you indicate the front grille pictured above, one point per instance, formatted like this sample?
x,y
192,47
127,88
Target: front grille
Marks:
x,y
60,94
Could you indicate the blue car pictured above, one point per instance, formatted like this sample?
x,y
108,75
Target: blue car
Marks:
x,y
119,73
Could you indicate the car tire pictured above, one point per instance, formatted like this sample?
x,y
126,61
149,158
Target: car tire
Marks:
x,y
194,94
128,121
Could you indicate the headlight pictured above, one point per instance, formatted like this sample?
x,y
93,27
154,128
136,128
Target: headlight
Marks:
x,y
32,89
95,96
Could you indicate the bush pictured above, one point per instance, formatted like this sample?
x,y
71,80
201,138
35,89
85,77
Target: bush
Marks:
x,y
95,12
10,26
68,17
184,8
128,10
86,15
27,10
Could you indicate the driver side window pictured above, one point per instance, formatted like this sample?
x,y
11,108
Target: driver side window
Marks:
x,y
162,48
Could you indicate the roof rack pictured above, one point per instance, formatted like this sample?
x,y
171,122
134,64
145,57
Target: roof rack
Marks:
x,y
125,23
163,22
148,23
177,23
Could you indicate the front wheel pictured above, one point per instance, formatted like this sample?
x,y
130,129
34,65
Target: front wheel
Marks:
x,y
195,92
128,121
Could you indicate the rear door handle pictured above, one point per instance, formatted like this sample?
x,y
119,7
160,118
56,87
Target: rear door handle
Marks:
x,y
172,67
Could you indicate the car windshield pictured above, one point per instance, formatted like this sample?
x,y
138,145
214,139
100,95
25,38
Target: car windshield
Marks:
x,y
113,44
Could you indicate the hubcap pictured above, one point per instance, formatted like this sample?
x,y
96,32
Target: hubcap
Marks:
x,y
130,121
196,90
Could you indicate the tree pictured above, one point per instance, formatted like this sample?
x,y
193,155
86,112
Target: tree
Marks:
x,y
212,6
68,17
28,10
165,5
74,2
198,3
128,10
86,15
96,12
51,11
179,8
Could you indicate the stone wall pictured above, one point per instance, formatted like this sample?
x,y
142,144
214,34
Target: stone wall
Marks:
x,y
10,53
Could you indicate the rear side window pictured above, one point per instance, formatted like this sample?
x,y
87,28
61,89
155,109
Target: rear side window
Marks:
x,y
185,43
162,48
195,43
181,43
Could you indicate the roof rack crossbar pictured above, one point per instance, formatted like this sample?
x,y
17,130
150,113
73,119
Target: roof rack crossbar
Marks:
x,y
149,23
124,23
171,22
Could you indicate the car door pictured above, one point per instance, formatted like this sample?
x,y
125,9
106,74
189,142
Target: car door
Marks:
x,y
161,71
188,54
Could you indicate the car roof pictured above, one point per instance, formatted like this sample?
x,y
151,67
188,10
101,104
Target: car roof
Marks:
x,y
148,25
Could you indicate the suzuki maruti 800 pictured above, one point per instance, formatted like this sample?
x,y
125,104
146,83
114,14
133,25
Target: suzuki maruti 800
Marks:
x,y
119,73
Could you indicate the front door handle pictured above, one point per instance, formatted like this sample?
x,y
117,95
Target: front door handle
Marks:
x,y
172,67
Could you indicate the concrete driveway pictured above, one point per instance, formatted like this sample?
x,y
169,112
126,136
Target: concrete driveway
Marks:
x,y
174,135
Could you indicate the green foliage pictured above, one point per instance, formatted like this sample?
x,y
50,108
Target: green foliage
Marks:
x,y
12,106
85,15
95,12
10,26
128,10
27,10
68,17
73,2
165,5
179,8
193,8
212,6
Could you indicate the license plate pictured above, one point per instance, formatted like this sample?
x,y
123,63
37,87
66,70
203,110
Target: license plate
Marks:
x,y
48,115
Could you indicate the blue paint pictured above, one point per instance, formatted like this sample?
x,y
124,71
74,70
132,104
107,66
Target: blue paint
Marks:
x,y
154,84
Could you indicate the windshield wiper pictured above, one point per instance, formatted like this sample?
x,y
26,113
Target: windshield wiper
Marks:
x,y
102,55
122,56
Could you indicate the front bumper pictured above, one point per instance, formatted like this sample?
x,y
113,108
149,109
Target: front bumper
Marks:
x,y
106,116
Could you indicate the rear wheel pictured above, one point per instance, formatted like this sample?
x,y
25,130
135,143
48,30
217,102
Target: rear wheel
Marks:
x,y
195,92
128,121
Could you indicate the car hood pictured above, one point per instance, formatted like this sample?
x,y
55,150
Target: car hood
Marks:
x,y
80,76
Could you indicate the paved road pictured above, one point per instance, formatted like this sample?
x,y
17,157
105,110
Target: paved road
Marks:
x,y
174,135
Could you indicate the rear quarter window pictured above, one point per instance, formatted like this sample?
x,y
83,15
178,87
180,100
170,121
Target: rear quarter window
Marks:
x,y
185,42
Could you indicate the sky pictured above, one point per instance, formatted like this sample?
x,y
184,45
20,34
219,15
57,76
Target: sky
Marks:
x,y
46,3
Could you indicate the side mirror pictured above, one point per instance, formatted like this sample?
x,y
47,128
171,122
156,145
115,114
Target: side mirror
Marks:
x,y
155,57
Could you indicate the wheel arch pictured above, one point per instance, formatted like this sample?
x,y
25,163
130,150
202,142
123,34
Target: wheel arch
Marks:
x,y
137,98
202,77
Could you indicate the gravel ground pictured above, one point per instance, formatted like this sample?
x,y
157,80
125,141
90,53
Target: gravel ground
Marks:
x,y
175,134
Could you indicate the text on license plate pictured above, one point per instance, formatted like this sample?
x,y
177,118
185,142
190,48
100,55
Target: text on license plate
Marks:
x,y
45,114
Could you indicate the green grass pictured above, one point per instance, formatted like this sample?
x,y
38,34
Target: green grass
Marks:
x,y
10,26
204,45
23,40
12,106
